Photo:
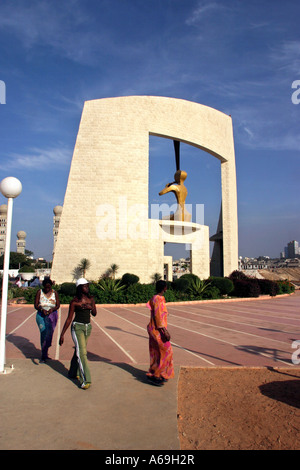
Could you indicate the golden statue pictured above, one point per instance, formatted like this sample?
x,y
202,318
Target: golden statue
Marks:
x,y
180,191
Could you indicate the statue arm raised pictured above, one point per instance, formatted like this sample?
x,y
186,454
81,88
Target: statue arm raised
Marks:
x,y
168,188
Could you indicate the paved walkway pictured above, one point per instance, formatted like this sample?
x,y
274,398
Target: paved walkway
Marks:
x,y
42,409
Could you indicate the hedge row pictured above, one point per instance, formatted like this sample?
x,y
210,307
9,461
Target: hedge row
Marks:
x,y
129,291
250,287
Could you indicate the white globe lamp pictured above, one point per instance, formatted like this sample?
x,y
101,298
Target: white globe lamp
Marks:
x,y
11,187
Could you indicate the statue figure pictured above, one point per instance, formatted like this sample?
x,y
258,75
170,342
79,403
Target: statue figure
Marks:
x,y
177,187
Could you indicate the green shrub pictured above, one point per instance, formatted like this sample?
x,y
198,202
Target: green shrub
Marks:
x,y
139,293
212,292
15,292
129,279
172,296
223,284
110,285
197,287
67,289
189,277
27,269
285,287
29,294
182,284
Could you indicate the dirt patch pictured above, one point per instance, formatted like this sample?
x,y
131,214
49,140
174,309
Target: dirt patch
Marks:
x,y
239,409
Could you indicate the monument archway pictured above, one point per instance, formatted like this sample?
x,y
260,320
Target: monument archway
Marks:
x,y
105,210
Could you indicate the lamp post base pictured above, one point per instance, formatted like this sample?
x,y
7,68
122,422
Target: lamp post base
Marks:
x,y
7,370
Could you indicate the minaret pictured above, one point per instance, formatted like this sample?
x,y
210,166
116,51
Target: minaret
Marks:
x,y
56,219
3,221
21,243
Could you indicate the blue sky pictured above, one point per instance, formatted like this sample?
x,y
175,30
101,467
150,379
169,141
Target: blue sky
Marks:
x,y
240,57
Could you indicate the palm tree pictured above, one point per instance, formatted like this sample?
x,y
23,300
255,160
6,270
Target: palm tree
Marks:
x,y
84,265
156,277
113,269
76,273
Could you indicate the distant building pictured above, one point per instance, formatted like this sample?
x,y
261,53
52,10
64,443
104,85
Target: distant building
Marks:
x,y
3,221
250,264
293,249
21,242
56,220
21,235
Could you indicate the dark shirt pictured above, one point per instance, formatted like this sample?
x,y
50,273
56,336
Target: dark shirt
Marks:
x,y
82,315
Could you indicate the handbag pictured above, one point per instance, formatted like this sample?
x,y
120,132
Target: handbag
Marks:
x,y
164,337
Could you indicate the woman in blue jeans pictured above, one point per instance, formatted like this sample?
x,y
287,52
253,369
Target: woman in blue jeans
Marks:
x,y
83,306
46,303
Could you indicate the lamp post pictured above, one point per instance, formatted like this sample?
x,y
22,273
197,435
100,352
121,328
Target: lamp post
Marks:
x,y
10,187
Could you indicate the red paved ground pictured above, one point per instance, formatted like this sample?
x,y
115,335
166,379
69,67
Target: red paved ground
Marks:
x,y
254,333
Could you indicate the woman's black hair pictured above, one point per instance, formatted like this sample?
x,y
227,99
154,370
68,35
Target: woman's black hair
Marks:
x,y
47,280
160,285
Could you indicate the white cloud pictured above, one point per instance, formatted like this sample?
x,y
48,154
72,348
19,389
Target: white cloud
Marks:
x,y
38,159
202,9
287,56
64,28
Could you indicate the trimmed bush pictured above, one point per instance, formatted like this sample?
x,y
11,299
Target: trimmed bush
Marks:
x,y
189,277
238,275
181,285
268,287
246,288
139,293
223,284
67,288
129,279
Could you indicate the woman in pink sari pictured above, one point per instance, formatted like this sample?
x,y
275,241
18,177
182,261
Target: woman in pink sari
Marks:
x,y
161,353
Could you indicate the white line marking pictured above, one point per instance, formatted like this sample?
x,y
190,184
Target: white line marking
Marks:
x,y
14,310
254,325
112,339
21,324
229,329
177,345
217,339
250,311
58,330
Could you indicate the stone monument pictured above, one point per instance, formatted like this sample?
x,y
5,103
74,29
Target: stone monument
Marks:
x,y
105,210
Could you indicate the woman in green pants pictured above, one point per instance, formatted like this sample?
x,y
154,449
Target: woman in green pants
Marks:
x,y
83,305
